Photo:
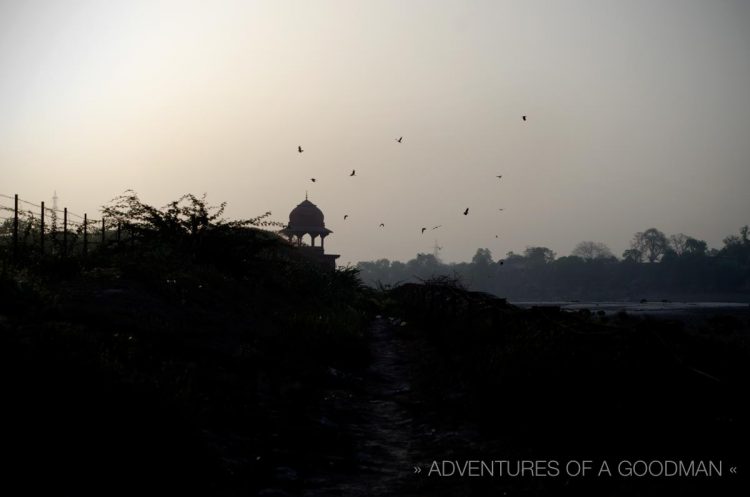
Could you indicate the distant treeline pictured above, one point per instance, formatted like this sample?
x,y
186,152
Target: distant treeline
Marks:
x,y
656,266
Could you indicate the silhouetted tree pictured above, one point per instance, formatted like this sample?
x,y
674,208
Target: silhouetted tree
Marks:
x,y
592,250
188,215
737,241
594,274
424,266
695,247
669,255
678,243
375,271
737,248
398,271
481,269
513,259
632,255
652,243
483,257
539,255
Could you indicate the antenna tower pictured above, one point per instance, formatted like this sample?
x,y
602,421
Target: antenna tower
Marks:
x,y
54,211
436,249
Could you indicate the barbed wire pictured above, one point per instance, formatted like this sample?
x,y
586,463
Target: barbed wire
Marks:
x,y
38,206
71,213
48,210
31,217
57,223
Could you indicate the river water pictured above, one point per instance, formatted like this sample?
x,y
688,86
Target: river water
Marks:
x,y
655,308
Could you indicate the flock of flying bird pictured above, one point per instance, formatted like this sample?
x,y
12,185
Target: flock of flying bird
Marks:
x,y
382,225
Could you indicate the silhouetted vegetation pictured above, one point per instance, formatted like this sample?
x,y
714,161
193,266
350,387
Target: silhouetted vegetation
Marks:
x,y
544,383
200,356
655,267
175,361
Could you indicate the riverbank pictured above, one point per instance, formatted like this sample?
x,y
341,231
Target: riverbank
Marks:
x,y
544,383
664,309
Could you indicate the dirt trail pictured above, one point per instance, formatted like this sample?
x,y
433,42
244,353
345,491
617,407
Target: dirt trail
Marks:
x,y
378,422
375,430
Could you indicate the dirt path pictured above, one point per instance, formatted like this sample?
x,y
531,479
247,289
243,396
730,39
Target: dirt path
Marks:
x,y
373,430
375,417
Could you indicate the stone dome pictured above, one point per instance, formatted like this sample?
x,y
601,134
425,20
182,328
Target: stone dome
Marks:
x,y
306,215
307,220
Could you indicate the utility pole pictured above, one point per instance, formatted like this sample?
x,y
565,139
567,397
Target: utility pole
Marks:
x,y
15,227
41,231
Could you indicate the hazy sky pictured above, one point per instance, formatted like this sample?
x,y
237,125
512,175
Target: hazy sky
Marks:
x,y
638,115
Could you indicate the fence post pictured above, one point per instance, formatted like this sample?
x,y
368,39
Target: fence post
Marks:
x,y
15,228
41,231
65,231
85,234
102,231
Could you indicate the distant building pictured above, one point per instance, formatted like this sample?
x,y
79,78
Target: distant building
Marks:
x,y
307,219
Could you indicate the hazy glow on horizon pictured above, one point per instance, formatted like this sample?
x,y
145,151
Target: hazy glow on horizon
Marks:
x,y
639,115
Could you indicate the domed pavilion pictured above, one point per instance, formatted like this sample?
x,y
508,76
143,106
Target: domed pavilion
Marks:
x,y
307,219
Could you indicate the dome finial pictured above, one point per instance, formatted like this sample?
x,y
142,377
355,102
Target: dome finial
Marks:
x,y
305,194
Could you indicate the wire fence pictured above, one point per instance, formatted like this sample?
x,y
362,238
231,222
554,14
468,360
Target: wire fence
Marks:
x,y
27,227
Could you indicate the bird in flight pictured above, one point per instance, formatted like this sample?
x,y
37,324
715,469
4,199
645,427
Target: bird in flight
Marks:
x,y
466,212
523,117
423,230
501,209
382,225
436,227
399,139
499,176
299,149
345,216
353,172
496,236
312,179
